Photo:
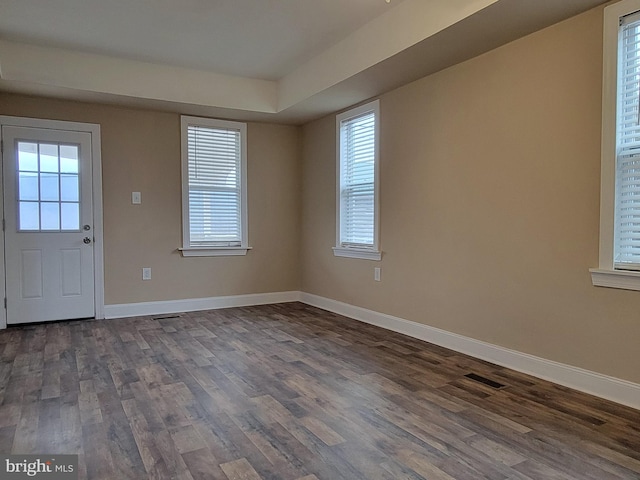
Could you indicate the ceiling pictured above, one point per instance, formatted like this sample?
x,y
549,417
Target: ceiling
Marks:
x,y
285,61
263,39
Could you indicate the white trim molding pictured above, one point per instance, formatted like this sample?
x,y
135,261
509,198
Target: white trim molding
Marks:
x,y
197,304
610,388
213,252
606,275
624,279
357,253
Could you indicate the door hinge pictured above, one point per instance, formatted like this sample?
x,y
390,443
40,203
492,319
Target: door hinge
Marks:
x,y
5,303
3,225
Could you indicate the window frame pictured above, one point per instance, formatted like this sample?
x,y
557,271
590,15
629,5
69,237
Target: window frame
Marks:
x,y
607,275
59,174
342,249
189,250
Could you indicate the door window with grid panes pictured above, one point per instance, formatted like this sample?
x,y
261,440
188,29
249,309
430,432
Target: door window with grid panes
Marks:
x,y
48,187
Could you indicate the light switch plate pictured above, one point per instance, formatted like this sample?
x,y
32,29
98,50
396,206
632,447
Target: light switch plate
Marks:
x,y
136,198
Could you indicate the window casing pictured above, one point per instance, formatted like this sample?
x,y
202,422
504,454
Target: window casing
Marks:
x,y
619,261
214,193
357,182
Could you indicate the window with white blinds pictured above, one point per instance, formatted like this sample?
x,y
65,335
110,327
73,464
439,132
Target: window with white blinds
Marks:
x,y
358,182
627,216
214,192
619,257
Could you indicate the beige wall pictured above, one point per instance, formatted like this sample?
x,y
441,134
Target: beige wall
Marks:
x,y
141,152
489,194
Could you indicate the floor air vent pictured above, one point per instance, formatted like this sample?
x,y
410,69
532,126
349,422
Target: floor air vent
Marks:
x,y
486,381
165,317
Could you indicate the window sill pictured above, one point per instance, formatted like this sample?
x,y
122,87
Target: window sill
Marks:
x,y
213,251
624,279
357,253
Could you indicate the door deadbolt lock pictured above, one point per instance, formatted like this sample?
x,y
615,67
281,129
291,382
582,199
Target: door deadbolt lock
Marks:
x,y
86,240
86,228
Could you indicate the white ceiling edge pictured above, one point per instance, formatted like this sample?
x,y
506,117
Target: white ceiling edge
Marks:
x,y
33,68
102,74
387,35
92,78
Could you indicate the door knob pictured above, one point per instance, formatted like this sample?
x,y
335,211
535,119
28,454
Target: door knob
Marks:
x,y
86,240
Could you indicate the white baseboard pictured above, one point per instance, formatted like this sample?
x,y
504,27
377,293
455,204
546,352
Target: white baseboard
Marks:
x,y
610,388
196,304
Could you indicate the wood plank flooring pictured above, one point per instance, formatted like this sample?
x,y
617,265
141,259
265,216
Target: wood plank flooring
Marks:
x,y
292,392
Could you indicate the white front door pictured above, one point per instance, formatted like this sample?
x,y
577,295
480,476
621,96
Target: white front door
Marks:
x,y
48,212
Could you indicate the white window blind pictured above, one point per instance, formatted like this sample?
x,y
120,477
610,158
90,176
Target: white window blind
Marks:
x,y
214,186
627,218
358,181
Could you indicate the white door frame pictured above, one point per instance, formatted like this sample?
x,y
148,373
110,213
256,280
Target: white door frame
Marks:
x,y
98,247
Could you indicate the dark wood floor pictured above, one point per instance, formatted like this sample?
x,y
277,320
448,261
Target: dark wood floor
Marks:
x,y
292,392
